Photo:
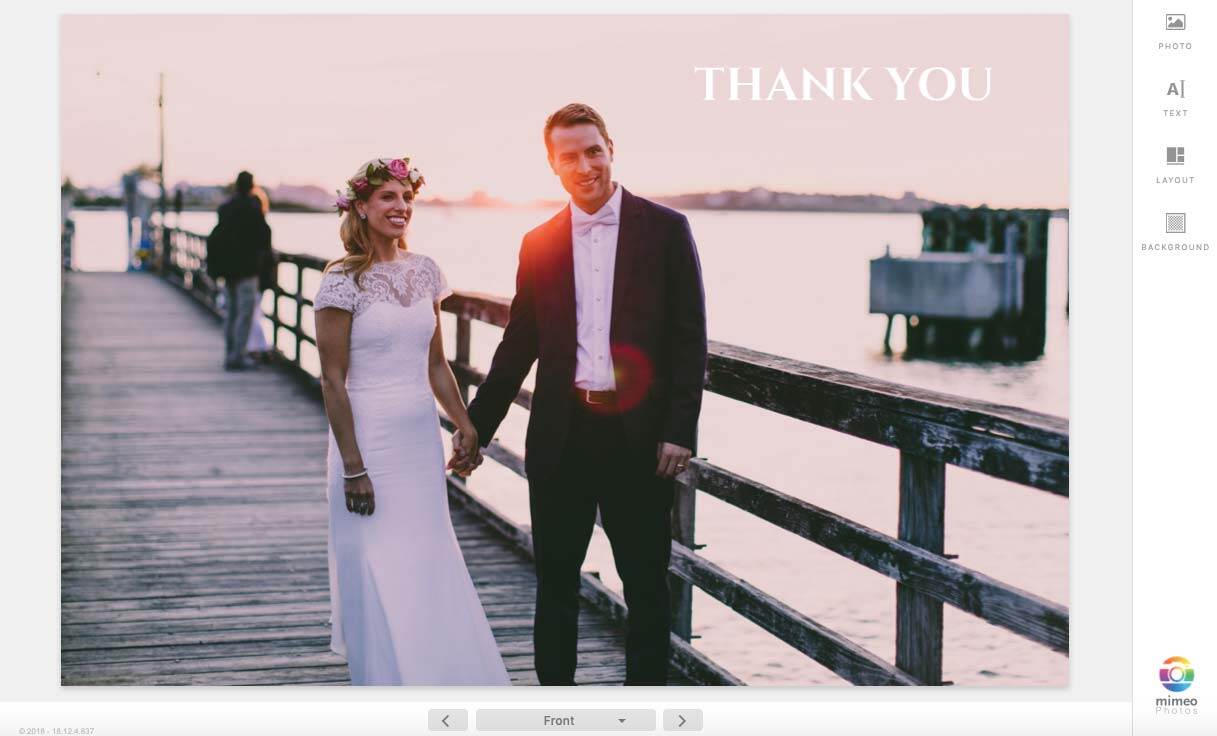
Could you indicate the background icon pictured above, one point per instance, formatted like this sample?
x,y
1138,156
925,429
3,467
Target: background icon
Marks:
x,y
1176,22
1176,674
1174,155
1176,222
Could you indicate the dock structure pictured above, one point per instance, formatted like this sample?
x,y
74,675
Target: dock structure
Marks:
x,y
194,514
978,287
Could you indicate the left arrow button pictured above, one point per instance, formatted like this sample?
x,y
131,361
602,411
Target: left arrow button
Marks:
x,y
448,720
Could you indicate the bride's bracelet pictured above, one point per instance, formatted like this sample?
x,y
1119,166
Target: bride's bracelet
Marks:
x,y
360,474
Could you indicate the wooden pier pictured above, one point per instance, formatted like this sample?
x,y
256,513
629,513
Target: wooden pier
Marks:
x,y
195,555
194,513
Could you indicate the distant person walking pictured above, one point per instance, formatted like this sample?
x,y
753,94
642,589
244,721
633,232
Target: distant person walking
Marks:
x,y
258,347
236,250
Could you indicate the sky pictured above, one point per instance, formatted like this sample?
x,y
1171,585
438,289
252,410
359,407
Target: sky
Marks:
x,y
305,99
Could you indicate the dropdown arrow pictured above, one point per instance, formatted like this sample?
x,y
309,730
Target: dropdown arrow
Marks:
x,y
621,720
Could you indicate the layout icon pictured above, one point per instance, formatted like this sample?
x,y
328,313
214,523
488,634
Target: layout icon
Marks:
x,y
1174,155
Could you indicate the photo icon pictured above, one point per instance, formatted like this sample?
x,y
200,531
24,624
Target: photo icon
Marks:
x,y
1176,22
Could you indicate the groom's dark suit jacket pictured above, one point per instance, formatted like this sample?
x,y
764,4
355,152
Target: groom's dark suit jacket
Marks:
x,y
657,335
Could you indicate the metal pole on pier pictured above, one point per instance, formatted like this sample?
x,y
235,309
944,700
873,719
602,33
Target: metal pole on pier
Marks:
x,y
160,104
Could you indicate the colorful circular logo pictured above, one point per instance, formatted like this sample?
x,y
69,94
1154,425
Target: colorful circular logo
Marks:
x,y
1176,674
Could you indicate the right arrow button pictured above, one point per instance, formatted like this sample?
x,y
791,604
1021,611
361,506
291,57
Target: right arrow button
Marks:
x,y
685,719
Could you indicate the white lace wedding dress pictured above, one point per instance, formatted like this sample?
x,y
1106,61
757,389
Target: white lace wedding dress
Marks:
x,y
404,608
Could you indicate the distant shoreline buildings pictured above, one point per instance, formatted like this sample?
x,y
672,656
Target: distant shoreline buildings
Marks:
x,y
310,198
760,198
766,200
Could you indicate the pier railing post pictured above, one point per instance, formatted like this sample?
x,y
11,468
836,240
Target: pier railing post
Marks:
x,y
918,616
298,330
166,246
276,310
684,515
161,258
275,320
67,239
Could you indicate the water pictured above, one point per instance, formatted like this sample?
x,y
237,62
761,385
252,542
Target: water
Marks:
x,y
793,284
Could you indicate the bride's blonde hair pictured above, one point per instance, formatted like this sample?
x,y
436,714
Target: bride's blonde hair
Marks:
x,y
353,230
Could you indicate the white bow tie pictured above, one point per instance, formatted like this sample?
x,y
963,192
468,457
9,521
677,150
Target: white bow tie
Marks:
x,y
582,223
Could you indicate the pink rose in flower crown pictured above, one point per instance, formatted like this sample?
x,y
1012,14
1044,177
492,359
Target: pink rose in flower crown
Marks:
x,y
375,173
398,169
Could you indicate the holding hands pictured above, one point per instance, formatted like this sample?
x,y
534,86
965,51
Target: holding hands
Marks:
x,y
466,454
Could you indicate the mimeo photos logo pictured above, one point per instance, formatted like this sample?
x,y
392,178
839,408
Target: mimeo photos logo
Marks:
x,y
1176,674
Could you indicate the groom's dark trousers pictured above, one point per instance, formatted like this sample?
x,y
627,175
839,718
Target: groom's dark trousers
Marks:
x,y
578,457
600,469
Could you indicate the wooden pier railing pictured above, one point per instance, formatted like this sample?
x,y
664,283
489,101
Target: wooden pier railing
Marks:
x,y
930,430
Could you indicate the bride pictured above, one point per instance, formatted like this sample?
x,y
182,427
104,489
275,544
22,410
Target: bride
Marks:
x,y
404,608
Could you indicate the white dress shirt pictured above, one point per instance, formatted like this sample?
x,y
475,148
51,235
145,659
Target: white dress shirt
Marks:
x,y
594,241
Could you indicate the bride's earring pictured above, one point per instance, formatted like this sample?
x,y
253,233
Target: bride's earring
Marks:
x,y
362,216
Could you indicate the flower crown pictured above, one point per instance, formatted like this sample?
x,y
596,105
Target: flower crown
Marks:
x,y
377,173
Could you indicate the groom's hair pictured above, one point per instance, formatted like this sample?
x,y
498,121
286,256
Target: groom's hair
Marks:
x,y
576,113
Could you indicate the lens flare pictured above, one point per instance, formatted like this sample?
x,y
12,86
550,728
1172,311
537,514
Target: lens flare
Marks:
x,y
633,373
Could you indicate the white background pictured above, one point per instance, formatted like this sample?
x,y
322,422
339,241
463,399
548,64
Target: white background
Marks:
x,y
1101,671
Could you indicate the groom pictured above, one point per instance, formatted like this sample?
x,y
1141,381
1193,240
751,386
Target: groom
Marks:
x,y
609,301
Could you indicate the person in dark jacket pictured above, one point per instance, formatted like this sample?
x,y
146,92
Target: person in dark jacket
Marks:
x,y
609,303
258,348
244,250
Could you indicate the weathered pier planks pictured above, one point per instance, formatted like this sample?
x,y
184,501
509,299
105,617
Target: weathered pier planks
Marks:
x,y
194,513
